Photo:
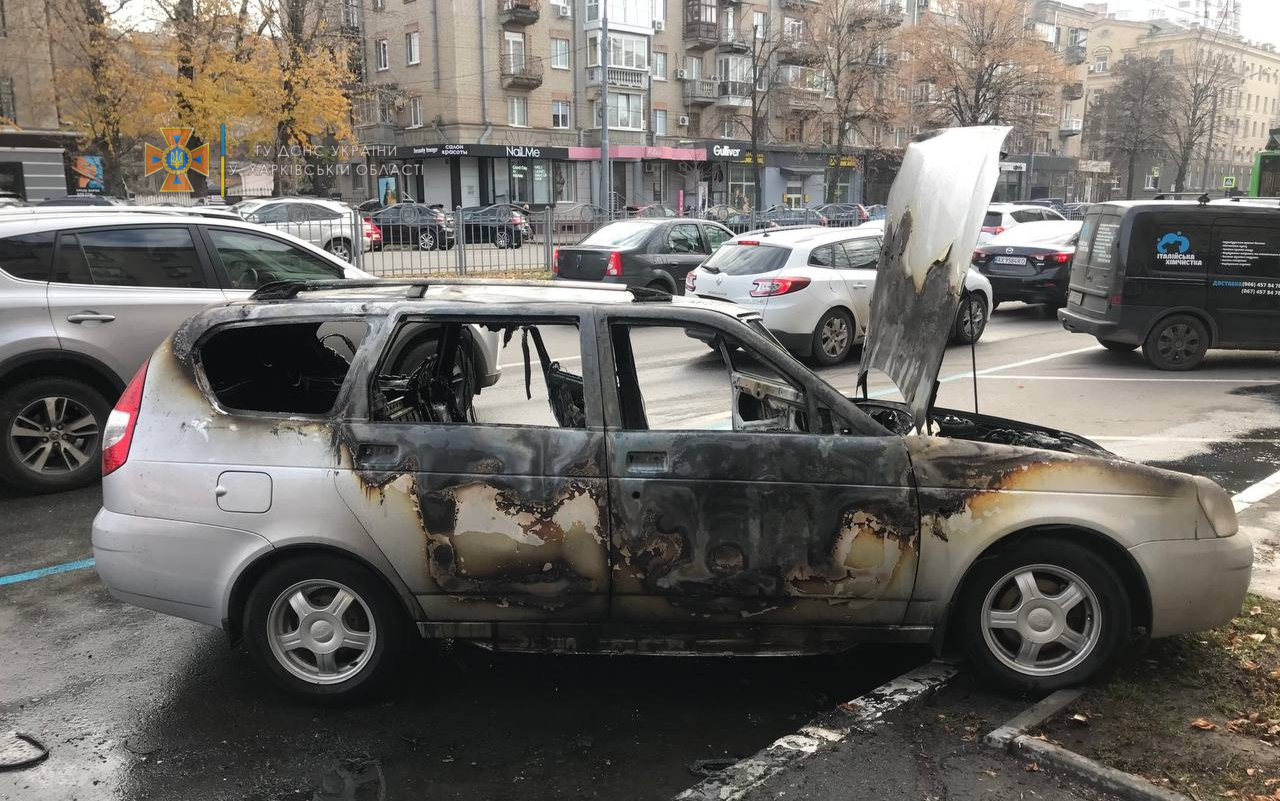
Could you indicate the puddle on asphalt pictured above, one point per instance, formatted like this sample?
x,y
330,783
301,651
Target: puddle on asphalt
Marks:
x,y
1242,462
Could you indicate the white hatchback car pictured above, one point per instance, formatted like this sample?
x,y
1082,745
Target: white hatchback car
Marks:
x,y
813,286
1003,216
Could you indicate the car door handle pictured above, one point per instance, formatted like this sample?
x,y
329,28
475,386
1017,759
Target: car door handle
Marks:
x,y
647,461
858,286
379,453
90,317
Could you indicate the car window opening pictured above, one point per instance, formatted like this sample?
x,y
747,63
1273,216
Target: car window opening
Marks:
x,y
289,368
430,374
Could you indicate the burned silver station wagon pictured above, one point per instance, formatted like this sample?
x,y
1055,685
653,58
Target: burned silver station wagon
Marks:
x,y
320,471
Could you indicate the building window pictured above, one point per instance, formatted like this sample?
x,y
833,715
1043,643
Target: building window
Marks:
x,y
384,55
793,131
411,54
660,66
593,51
628,51
1166,58
693,67
660,121
8,103
1101,57
728,127
593,10
742,185
518,112
560,54
761,24
559,113
514,48
793,28
660,11
625,111
379,5
415,112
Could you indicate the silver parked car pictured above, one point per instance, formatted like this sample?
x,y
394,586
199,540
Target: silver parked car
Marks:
x,y
87,294
327,224
310,470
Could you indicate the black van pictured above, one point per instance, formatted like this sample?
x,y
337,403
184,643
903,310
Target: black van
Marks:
x,y
1177,279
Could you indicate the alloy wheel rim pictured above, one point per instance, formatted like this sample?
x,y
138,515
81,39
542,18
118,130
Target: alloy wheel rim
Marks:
x,y
321,631
426,241
340,250
1041,620
501,241
54,435
835,336
1178,343
969,318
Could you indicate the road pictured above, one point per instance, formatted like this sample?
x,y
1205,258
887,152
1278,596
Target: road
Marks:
x,y
135,705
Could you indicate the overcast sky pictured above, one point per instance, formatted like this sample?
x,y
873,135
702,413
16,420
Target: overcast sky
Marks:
x,y
1259,19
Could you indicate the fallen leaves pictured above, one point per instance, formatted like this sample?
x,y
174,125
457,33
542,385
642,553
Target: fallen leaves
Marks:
x,y
1255,611
1204,725
1033,767
1080,719
990,772
1258,637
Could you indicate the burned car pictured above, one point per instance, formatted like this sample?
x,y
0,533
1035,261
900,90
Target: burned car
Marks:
x,y
318,471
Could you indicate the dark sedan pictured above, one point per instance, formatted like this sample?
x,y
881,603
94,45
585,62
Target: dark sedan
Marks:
x,y
844,215
415,224
773,217
503,225
1030,262
647,252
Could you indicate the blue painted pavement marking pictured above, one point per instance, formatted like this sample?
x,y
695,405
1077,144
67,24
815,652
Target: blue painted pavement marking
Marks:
x,y
29,575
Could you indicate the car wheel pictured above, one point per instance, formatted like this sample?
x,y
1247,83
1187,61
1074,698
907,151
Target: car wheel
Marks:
x,y
52,429
833,337
971,320
1045,614
1118,347
324,627
501,238
340,248
1176,343
427,239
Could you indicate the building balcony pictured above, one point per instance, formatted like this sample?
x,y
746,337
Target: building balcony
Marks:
x,y
381,133
801,5
734,94
700,92
1074,55
517,12
798,52
1070,127
520,72
733,41
699,35
804,100
1073,91
619,76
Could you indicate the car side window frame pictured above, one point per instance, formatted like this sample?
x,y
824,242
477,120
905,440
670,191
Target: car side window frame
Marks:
x,y
214,258
670,236
210,274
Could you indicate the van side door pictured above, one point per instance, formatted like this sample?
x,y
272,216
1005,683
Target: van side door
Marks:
x,y
1243,294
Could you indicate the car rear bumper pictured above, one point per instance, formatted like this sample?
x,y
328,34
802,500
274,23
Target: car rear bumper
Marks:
x,y
1028,289
1077,323
181,569
1195,584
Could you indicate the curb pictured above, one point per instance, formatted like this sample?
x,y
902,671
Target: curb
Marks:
x,y
826,730
1012,737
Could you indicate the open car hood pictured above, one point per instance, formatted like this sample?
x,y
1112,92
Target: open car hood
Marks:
x,y
936,207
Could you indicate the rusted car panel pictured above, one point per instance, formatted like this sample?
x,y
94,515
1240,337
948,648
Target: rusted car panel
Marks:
x,y
935,209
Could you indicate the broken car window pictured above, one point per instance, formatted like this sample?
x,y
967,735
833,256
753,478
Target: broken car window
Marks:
x,y
438,372
661,378
289,368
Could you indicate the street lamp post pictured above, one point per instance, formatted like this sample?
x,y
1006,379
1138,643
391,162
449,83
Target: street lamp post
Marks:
x,y
606,171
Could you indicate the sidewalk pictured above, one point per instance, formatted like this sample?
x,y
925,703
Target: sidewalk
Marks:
x,y
929,750
1260,521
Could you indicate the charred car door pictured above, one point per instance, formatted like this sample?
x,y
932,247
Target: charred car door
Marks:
x,y
766,511
491,505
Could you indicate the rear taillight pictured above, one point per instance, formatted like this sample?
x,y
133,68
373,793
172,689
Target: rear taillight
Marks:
x,y
117,436
1114,300
748,242
516,219
979,257
769,287
555,261
615,264
690,282
993,229
1060,258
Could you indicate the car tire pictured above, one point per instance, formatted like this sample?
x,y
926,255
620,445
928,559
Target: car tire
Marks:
x,y
971,320
340,248
427,240
1071,646
1176,343
1118,347
74,458
833,337
292,624
501,239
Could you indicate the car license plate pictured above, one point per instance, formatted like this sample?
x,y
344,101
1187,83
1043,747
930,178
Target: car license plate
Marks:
x,y
1010,260
1075,298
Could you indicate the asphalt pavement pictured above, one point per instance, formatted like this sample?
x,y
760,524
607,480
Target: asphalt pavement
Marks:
x,y
135,705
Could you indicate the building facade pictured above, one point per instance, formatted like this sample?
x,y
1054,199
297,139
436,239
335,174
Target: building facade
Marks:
x,y
1243,111
1218,15
493,101
34,150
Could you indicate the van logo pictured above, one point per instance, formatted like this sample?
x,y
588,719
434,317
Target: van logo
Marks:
x,y
1173,243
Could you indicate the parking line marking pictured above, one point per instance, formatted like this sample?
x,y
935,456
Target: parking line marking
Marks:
x,y
1117,378
880,393
1257,493
1158,438
14,578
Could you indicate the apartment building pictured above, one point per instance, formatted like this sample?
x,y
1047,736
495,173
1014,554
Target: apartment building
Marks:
x,y
500,100
1242,115
1219,15
33,148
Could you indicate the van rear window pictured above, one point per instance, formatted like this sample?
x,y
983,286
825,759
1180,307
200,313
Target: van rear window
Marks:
x,y
289,368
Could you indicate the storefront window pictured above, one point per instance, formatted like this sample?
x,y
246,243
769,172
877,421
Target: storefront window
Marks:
x,y
530,181
562,184
742,185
